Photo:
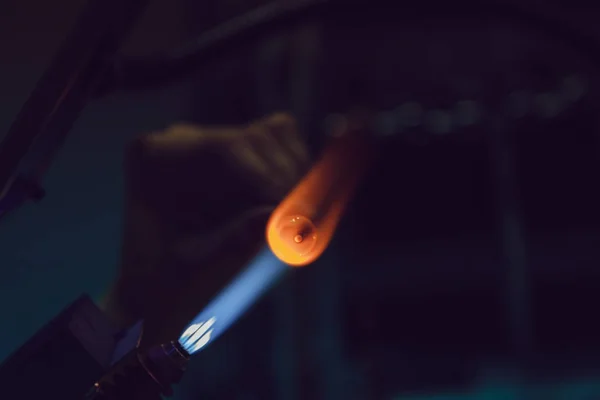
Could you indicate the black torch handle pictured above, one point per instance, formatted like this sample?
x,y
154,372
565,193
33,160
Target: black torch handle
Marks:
x,y
143,375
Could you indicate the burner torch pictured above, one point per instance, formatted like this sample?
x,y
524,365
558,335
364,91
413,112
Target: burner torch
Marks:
x,y
297,233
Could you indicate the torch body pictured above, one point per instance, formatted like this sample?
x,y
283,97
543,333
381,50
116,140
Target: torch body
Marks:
x,y
143,375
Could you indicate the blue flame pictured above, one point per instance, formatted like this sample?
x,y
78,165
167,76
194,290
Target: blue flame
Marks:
x,y
233,301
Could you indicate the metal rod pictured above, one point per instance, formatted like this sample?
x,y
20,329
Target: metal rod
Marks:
x,y
502,157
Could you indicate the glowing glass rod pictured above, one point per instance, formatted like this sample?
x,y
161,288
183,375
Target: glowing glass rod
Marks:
x,y
304,223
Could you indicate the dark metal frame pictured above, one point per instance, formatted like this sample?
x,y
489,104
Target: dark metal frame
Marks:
x,y
63,91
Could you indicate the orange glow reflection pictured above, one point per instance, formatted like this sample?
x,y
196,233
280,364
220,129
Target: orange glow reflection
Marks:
x,y
303,224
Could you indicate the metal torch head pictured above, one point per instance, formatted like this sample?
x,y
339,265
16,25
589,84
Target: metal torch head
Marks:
x,y
166,363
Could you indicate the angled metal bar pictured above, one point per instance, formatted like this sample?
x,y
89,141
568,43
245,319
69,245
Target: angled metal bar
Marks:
x,y
502,158
64,89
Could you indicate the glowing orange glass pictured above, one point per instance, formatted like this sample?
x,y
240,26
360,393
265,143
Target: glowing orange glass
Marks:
x,y
303,224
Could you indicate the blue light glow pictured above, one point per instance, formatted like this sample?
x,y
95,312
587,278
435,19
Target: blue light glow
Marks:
x,y
233,301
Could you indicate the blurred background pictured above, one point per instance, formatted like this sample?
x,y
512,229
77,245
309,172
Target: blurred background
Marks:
x,y
467,266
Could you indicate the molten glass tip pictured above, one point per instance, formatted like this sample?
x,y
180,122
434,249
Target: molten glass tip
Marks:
x,y
303,224
292,239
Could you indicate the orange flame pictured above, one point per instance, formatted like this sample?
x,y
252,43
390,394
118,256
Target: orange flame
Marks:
x,y
303,224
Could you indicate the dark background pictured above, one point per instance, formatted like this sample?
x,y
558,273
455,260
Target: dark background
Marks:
x,y
450,275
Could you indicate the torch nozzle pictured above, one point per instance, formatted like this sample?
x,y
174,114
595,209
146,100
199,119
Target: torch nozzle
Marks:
x,y
145,374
